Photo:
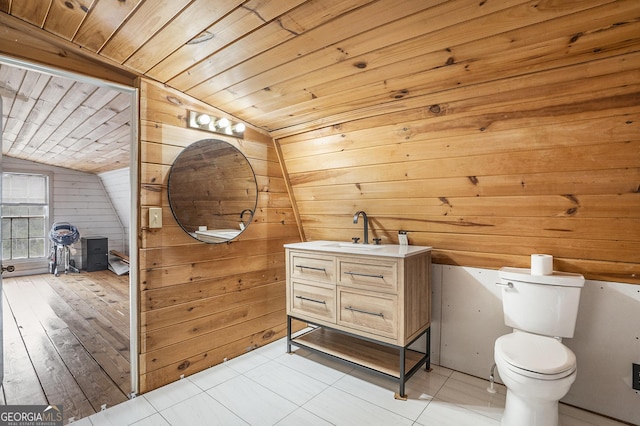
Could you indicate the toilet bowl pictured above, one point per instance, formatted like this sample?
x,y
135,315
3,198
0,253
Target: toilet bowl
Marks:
x,y
538,371
534,365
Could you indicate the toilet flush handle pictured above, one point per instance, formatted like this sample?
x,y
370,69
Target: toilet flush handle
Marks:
x,y
508,284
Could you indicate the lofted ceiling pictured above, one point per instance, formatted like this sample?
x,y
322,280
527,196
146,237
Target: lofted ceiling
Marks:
x,y
63,122
289,66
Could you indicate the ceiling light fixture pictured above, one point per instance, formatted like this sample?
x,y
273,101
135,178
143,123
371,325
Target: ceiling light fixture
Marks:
x,y
210,123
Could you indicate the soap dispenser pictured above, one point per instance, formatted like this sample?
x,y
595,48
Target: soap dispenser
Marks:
x,y
402,238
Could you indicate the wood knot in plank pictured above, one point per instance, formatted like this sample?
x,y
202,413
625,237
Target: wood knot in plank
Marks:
x,y
268,335
435,109
174,100
473,179
571,198
575,37
362,65
184,365
400,94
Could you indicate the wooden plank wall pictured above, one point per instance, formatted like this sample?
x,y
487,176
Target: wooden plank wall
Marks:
x,y
202,303
487,174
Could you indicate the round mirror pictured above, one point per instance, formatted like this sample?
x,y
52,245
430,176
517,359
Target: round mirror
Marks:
x,y
212,191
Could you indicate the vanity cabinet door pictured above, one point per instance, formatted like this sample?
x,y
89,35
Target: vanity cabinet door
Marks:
x,y
372,274
366,311
312,301
312,267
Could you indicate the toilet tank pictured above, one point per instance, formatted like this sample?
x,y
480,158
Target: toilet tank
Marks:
x,y
541,304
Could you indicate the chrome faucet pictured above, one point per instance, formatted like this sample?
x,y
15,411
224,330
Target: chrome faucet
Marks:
x,y
365,224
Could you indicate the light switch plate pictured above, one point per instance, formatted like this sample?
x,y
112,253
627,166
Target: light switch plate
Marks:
x,y
155,217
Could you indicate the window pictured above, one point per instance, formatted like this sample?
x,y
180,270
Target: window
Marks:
x,y
25,215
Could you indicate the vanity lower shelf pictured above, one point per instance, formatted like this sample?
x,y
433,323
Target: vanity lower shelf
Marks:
x,y
382,358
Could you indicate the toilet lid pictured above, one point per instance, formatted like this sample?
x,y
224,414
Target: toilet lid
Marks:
x,y
536,356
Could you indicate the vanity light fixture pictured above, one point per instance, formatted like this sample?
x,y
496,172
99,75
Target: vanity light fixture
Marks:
x,y
203,119
222,125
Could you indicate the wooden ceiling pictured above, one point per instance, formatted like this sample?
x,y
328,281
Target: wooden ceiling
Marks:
x,y
63,122
289,66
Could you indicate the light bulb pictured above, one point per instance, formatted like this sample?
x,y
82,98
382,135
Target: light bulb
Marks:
x,y
203,119
239,128
222,123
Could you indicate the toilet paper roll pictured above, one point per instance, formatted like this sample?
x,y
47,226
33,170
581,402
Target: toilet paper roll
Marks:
x,y
541,264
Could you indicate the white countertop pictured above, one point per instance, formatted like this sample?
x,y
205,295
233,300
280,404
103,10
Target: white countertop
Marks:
x,y
384,250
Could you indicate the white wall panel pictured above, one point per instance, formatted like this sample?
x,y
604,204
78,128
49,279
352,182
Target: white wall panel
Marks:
x,y
606,341
118,185
78,198
471,319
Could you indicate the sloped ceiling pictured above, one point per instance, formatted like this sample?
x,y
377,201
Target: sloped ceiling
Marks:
x,y
289,66
63,122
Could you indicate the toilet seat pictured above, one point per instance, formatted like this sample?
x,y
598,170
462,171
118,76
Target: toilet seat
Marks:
x,y
535,356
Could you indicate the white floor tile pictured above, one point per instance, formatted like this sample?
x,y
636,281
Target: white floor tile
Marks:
x,y
252,402
153,420
572,416
246,362
340,408
268,386
443,371
167,396
213,376
201,410
317,367
380,392
274,349
287,382
81,422
471,393
302,417
441,413
426,384
126,413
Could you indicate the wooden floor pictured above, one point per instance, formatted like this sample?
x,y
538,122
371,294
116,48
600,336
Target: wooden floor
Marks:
x,y
66,341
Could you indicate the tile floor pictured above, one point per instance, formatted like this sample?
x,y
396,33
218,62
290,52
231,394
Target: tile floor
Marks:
x,y
270,387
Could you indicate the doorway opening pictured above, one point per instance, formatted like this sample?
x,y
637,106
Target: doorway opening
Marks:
x,y
81,133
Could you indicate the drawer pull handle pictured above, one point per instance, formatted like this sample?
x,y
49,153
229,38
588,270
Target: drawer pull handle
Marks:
x,y
349,308
359,274
311,300
311,267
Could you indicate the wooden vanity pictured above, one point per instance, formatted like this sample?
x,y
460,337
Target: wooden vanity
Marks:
x,y
365,304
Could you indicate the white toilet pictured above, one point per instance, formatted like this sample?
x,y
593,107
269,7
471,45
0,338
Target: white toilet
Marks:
x,y
535,366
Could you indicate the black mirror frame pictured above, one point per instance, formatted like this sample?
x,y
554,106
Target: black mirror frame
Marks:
x,y
176,215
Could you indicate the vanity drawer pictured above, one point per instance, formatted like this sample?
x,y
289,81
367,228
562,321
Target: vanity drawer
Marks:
x,y
378,275
313,301
373,313
312,267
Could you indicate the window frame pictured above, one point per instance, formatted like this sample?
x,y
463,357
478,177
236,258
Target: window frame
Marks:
x,y
34,262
